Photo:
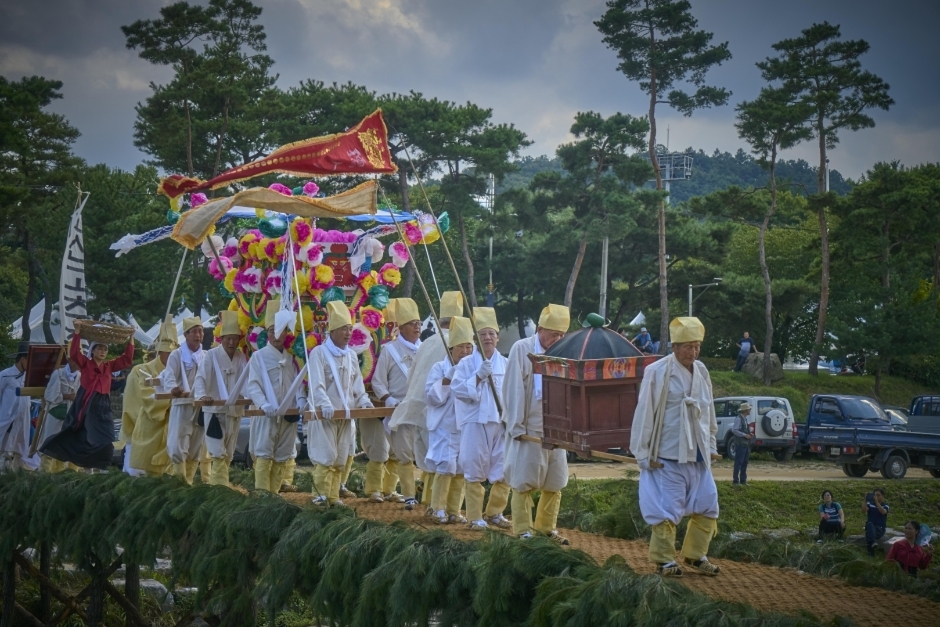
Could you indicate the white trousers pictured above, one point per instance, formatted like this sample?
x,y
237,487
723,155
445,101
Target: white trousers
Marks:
x,y
273,438
443,449
374,439
224,447
676,491
134,472
184,439
329,442
530,467
482,447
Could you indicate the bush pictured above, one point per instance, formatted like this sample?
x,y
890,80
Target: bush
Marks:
x,y
923,369
718,364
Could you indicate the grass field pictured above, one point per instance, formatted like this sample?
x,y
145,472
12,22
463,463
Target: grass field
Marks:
x,y
798,387
767,504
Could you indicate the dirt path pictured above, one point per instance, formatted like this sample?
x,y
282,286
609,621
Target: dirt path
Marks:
x,y
763,587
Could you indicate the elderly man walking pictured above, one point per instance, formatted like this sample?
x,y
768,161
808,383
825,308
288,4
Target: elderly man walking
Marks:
x,y
673,440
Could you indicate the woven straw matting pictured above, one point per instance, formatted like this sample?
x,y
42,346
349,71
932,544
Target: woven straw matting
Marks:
x,y
763,587
105,332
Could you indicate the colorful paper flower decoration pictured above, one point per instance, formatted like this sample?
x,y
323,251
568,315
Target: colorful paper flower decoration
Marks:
x,y
389,275
413,233
360,339
371,317
399,253
281,189
321,277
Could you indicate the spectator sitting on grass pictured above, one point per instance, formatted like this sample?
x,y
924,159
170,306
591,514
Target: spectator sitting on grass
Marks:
x,y
831,517
877,511
908,553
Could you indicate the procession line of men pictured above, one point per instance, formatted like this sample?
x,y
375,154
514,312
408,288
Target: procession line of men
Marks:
x,y
459,414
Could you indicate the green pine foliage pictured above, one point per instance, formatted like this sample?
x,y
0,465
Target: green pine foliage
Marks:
x,y
257,559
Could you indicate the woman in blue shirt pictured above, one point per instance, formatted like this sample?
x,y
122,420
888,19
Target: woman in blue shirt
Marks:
x,y
831,517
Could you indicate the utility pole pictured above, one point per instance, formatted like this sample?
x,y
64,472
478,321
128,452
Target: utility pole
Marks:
x,y
490,204
602,309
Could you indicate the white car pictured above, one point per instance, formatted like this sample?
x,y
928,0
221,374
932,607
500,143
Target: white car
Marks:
x,y
776,433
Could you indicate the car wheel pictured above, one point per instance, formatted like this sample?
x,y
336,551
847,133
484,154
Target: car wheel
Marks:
x,y
935,473
895,468
571,456
855,470
783,454
774,426
249,462
730,448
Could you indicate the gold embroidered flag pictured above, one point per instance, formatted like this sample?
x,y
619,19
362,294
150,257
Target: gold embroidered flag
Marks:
x,y
362,149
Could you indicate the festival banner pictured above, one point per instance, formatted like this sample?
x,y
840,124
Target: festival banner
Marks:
x,y
361,150
72,297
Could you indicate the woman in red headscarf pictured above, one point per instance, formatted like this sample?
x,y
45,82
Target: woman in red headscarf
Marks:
x,y
87,435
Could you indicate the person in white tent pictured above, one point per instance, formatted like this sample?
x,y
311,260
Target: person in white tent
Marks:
x,y
673,440
335,386
528,466
444,435
413,408
476,387
185,440
390,385
59,394
216,381
271,373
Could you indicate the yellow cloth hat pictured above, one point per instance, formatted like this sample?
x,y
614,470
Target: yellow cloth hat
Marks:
x,y
406,310
485,318
189,323
167,340
273,306
230,323
460,332
686,330
390,310
451,304
337,315
555,318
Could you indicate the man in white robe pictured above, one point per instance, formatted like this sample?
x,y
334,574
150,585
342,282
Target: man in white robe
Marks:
x,y
335,386
673,440
185,442
217,380
443,433
271,375
59,394
412,410
14,413
390,385
528,466
476,386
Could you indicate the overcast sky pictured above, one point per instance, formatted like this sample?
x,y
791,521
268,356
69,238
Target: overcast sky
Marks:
x,y
534,62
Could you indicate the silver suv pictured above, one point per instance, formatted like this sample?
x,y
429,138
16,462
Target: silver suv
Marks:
x,y
775,432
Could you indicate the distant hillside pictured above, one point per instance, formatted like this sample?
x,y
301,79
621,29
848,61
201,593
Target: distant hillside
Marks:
x,y
709,173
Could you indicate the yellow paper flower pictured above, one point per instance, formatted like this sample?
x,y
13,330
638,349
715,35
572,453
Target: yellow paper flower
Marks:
x,y
233,304
371,317
322,277
303,282
260,213
390,275
229,284
244,321
369,281
307,319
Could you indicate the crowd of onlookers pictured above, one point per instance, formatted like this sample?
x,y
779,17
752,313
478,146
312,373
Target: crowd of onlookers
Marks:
x,y
912,552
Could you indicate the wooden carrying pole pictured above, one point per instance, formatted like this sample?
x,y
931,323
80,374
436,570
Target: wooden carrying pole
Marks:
x,y
453,268
623,459
42,406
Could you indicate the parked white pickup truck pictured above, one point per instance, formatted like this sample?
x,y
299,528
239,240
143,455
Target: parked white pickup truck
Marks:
x,y
775,432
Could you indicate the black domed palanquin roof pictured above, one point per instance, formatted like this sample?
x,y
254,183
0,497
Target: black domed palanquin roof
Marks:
x,y
593,343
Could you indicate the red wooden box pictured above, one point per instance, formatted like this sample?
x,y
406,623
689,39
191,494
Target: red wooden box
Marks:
x,y
589,403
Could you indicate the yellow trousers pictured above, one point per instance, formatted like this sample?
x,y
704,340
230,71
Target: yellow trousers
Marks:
x,y
428,492
52,465
546,514
218,475
348,469
499,498
375,472
406,472
698,537
390,481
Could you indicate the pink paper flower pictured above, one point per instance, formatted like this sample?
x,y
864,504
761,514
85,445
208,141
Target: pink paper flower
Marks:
x,y
371,318
301,232
399,254
273,283
311,189
248,281
217,273
197,199
311,254
413,233
281,189
321,277
231,248
360,339
389,275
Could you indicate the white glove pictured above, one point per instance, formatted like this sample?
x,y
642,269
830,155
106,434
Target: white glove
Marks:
x,y
391,401
269,409
326,411
644,464
367,405
450,373
485,369
387,423
302,403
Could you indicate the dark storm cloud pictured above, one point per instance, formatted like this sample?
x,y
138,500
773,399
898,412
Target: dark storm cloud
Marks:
x,y
534,62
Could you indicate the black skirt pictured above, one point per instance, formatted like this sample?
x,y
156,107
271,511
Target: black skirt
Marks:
x,y
89,444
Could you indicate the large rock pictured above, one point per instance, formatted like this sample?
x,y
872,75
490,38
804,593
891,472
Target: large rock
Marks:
x,y
754,366
153,588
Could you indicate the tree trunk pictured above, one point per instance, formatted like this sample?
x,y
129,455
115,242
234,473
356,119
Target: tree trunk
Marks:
x,y
823,252
45,599
9,594
936,265
663,283
30,288
520,315
615,323
218,146
878,374
768,294
47,316
575,270
471,292
408,281
131,588
189,138
97,597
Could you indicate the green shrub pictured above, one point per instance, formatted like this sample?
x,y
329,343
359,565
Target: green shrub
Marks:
x,y
924,369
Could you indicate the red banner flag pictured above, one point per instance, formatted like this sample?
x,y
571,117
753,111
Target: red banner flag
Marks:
x,y
362,149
